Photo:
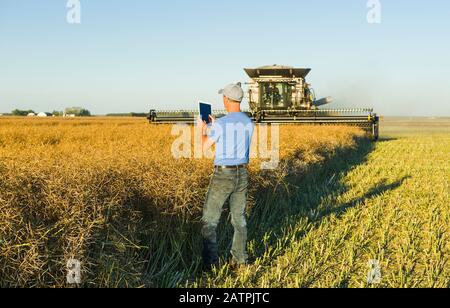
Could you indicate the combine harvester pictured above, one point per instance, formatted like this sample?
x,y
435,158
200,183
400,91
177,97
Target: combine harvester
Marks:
x,y
281,95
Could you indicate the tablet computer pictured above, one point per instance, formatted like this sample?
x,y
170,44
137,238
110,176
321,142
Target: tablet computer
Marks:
x,y
205,110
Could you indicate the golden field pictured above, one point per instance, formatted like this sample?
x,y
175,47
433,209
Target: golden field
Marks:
x,y
108,192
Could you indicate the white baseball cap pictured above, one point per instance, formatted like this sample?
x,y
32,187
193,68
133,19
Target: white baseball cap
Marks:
x,y
233,91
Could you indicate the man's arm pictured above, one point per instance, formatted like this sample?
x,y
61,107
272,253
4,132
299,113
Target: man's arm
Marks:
x,y
207,143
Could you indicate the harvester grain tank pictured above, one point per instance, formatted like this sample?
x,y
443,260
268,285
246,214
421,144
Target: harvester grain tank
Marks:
x,y
280,94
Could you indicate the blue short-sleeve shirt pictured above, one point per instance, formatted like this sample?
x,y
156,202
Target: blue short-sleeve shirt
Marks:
x,y
232,135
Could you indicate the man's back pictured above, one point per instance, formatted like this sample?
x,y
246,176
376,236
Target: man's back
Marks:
x,y
232,135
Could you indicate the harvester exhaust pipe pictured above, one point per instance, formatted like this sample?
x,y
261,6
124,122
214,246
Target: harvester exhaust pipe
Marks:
x,y
323,101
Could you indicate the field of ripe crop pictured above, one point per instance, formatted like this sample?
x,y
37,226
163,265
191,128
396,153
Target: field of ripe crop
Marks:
x,y
109,193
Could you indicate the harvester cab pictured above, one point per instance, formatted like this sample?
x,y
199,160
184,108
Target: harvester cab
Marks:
x,y
281,95
277,89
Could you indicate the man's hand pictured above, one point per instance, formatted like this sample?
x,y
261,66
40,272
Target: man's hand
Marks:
x,y
212,119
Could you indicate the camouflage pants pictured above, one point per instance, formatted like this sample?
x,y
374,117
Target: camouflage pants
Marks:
x,y
232,184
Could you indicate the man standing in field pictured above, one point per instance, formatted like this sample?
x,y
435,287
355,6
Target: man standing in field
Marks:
x,y
232,136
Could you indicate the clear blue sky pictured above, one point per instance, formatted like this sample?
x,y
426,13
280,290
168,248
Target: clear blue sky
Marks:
x,y
136,54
